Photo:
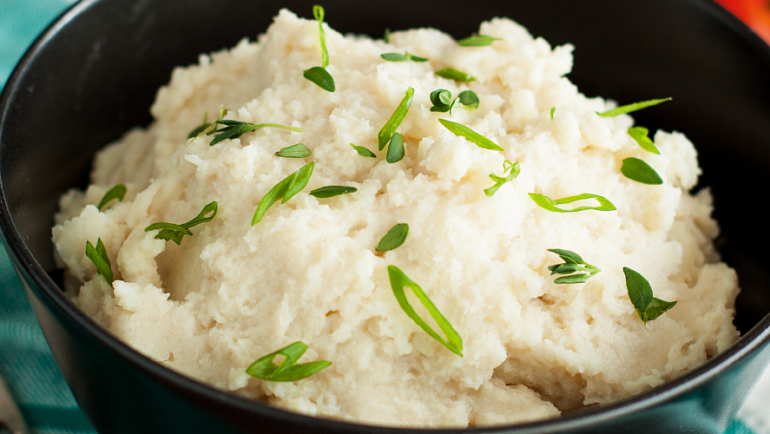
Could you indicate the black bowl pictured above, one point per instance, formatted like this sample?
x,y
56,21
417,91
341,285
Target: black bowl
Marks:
x,y
94,73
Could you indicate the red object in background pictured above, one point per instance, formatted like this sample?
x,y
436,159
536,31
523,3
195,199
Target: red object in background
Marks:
x,y
755,13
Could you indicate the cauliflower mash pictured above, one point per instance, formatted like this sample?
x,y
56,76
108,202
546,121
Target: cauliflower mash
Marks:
x,y
231,292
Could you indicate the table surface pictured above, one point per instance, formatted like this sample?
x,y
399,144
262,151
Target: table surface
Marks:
x,y
26,362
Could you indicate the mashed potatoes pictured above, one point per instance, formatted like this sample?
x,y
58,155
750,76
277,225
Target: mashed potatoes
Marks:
x,y
232,292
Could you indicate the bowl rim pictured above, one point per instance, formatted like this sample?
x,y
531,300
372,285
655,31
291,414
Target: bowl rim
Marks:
x,y
21,256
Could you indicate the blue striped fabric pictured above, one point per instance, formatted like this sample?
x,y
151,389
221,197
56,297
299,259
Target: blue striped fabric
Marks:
x,y
26,362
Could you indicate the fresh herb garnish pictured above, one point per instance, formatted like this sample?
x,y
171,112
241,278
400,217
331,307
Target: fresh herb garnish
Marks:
x,y
395,149
331,191
553,109
265,369
295,151
398,57
363,151
579,271
640,135
632,107
386,133
398,281
117,192
175,232
321,77
477,41
514,170
235,129
640,293
386,36
453,74
442,100
394,238
639,171
98,255
285,189
207,127
550,205
318,74
472,136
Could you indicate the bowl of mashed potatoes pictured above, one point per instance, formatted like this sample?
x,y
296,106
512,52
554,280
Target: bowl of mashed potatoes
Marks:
x,y
366,219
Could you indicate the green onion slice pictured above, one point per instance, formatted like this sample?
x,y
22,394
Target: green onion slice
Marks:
x,y
386,133
264,368
632,107
285,189
550,205
640,135
477,41
98,255
514,170
399,281
472,136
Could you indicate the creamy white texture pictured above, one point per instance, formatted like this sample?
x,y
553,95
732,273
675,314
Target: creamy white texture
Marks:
x,y
233,292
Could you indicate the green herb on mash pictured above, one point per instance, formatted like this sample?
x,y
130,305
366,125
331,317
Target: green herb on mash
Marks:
x,y
640,292
318,74
398,57
453,74
553,109
386,36
235,129
442,100
117,192
175,232
579,271
265,369
295,151
550,205
514,170
639,171
640,135
632,107
472,136
394,238
206,127
386,133
331,191
98,255
477,41
399,281
395,149
286,189
363,151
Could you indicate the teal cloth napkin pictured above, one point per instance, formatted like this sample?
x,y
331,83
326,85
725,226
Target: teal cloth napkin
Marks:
x,y
26,362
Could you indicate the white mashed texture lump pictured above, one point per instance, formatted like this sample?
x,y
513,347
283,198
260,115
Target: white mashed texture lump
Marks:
x,y
232,292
